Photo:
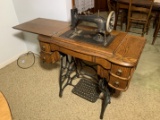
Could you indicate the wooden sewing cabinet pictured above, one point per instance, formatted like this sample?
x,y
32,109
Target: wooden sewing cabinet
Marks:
x,y
116,63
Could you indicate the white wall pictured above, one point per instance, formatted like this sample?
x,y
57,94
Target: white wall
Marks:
x,y
11,42
30,9
52,9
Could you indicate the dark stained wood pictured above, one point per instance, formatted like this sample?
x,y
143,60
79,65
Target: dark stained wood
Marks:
x,y
156,5
115,62
140,15
157,28
100,5
73,3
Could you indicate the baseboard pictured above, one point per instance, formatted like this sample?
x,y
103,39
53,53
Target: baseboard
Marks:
x,y
2,65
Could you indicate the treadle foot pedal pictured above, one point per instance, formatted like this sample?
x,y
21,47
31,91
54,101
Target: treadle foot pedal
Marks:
x,y
87,90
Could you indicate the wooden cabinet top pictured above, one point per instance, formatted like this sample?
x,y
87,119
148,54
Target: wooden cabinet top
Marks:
x,y
42,26
124,50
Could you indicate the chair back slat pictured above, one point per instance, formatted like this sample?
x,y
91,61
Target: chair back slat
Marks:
x,y
143,11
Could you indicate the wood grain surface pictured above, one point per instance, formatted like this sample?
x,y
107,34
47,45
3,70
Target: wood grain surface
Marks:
x,y
5,113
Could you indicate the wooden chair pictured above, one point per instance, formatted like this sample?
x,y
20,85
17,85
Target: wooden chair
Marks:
x,y
139,16
157,29
155,15
5,113
111,5
121,13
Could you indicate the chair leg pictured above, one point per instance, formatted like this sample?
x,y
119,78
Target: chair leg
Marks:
x,y
121,24
154,39
155,20
144,30
122,20
115,26
155,34
128,26
148,25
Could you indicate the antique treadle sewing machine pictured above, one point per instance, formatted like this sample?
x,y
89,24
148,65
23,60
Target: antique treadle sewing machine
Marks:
x,y
99,36
103,59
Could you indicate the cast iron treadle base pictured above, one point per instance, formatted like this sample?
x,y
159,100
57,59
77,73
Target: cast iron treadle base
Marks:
x,y
87,90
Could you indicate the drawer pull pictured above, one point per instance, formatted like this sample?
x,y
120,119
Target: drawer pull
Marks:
x,y
43,48
44,58
116,83
119,72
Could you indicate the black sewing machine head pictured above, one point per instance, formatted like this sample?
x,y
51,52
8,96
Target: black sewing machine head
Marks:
x,y
100,21
99,35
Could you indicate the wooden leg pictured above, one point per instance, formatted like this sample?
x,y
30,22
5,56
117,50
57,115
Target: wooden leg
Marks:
x,y
144,29
115,26
154,39
128,26
155,34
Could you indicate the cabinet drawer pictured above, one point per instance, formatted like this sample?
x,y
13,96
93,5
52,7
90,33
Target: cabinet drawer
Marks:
x,y
118,84
120,76
46,57
45,46
102,72
121,71
55,57
51,57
